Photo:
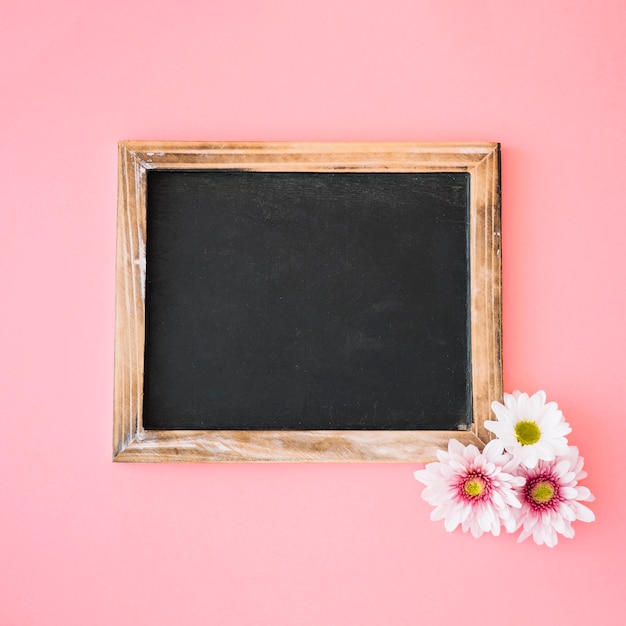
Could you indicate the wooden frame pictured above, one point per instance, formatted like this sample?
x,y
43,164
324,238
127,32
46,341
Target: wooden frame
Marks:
x,y
131,442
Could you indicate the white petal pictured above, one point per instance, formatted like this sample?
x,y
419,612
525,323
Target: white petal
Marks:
x,y
583,513
500,429
475,529
497,499
567,511
439,512
470,452
420,475
510,524
544,450
568,492
510,466
529,457
466,513
568,530
584,494
523,408
489,469
493,449
503,413
453,519
541,395
559,524
510,400
537,406
455,447
511,499
551,538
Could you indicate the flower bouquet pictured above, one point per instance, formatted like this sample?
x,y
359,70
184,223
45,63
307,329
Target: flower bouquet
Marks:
x,y
526,478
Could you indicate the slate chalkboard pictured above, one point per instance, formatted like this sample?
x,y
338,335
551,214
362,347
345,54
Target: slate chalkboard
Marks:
x,y
305,302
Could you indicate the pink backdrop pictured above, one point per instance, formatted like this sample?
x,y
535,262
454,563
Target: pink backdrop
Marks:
x,y
84,541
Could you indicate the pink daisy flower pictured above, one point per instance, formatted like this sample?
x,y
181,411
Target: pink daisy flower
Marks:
x,y
551,499
473,489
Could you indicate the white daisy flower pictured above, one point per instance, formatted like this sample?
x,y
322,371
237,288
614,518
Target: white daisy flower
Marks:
x,y
473,489
551,499
530,429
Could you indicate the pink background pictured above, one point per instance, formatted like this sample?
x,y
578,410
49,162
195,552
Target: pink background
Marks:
x,y
84,541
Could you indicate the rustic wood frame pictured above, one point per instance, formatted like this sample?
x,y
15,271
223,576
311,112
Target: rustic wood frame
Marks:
x,y
132,443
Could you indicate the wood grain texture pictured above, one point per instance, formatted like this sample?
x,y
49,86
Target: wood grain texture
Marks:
x,y
131,442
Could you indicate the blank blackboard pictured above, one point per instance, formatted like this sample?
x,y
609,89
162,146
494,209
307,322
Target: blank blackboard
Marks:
x,y
307,301
282,294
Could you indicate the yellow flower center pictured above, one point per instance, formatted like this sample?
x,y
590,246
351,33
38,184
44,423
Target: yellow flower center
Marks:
x,y
527,432
474,487
542,492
